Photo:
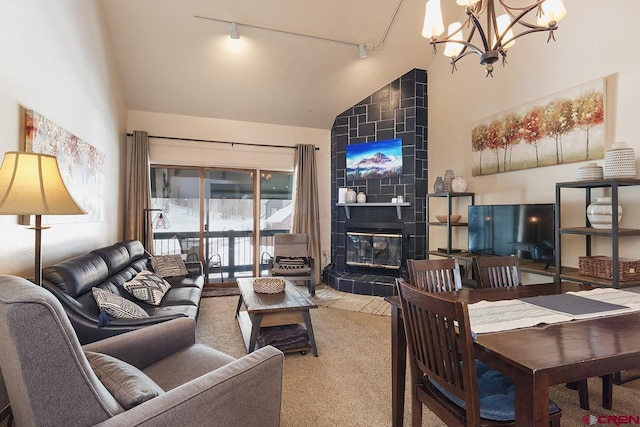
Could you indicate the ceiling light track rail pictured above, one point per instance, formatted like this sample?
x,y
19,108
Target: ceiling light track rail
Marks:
x,y
251,144
361,46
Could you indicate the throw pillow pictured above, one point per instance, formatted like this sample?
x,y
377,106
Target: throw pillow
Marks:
x,y
116,306
169,265
126,383
290,263
147,287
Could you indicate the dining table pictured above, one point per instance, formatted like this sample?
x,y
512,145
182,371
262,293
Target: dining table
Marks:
x,y
534,357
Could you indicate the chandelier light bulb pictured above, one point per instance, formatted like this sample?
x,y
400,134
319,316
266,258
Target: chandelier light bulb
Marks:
x,y
552,12
503,22
433,25
452,49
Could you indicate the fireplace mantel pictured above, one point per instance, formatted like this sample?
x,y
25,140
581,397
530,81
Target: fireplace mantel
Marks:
x,y
398,206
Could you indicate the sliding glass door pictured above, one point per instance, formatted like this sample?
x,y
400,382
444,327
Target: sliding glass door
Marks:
x,y
275,211
225,218
229,222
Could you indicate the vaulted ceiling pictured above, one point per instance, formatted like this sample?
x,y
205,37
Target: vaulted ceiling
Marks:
x,y
170,61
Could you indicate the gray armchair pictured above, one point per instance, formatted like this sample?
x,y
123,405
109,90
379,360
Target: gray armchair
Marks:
x,y
50,381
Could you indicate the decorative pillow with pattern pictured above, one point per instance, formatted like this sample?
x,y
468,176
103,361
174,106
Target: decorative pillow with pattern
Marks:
x,y
169,265
116,306
126,383
148,287
291,263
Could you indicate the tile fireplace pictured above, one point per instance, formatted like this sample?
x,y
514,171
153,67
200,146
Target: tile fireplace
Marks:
x,y
371,242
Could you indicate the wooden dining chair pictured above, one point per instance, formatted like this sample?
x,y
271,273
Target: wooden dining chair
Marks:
x,y
496,271
504,271
435,275
445,377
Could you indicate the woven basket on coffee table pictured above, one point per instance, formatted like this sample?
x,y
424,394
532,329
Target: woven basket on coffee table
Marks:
x,y
268,285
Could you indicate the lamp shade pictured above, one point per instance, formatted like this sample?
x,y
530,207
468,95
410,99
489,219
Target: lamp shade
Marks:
x,y
30,184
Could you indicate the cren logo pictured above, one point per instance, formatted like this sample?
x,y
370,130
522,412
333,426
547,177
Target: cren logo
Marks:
x,y
589,420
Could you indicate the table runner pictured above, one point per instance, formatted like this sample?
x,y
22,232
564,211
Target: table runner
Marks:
x,y
494,316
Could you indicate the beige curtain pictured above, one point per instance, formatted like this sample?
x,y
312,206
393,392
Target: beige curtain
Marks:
x,y
139,191
306,217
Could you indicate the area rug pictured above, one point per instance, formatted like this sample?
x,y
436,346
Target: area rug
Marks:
x,y
326,296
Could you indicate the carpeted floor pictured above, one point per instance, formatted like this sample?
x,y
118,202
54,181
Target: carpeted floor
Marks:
x,y
349,384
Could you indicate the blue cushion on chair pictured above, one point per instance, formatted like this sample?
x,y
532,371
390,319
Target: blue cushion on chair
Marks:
x,y
497,395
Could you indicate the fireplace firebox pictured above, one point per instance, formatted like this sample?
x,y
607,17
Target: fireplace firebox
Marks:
x,y
374,250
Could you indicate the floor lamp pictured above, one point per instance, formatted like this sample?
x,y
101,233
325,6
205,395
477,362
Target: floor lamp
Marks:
x,y
160,221
30,184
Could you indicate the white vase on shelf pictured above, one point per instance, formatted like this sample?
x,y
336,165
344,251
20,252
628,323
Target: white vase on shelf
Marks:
x,y
361,198
600,213
351,196
459,184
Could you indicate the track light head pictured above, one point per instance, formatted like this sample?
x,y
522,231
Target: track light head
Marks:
x,y
362,51
234,31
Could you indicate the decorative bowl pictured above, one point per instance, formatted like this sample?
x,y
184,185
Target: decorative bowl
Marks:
x,y
452,219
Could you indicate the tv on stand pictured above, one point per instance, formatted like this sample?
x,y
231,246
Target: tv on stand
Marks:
x,y
524,230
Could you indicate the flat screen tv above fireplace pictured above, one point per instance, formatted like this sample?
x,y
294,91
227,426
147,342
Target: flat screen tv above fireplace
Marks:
x,y
525,230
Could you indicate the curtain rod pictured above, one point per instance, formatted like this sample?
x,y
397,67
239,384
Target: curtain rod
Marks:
x,y
220,142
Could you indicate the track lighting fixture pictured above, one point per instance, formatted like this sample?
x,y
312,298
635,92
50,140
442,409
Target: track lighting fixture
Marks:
x,y
234,31
362,52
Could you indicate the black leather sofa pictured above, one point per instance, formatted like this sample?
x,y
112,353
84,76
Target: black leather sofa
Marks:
x,y
109,268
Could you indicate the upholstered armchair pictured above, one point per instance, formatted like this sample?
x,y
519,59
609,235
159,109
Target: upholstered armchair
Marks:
x,y
291,259
152,376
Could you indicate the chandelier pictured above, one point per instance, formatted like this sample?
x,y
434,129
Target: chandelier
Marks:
x,y
497,36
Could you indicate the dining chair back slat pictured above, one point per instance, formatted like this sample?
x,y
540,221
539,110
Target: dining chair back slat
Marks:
x,y
497,271
435,275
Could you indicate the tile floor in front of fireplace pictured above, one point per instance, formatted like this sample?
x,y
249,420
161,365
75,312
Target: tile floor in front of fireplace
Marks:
x,y
362,284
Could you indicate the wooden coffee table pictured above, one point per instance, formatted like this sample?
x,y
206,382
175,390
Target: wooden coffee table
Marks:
x,y
262,310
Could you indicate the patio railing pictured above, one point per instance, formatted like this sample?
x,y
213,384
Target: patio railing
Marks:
x,y
234,248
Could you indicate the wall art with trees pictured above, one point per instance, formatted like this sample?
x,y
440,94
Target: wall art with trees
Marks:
x,y
563,128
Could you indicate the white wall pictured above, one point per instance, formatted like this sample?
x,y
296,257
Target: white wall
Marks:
x,y
170,152
594,41
56,60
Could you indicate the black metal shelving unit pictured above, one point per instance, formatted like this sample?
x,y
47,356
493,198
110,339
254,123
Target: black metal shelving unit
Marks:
x,y
615,233
449,196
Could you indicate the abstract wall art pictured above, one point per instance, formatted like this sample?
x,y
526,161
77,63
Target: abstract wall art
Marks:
x,y
564,128
82,166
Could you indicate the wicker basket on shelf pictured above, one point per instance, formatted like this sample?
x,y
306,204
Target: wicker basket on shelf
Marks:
x,y
602,267
268,285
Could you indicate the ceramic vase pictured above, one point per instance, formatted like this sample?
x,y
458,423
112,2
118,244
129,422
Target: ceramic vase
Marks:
x,y
342,195
620,161
459,184
438,186
448,178
361,198
600,213
351,196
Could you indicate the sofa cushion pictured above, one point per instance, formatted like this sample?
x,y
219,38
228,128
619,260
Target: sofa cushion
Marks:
x,y
134,247
116,306
77,275
115,256
147,287
169,266
126,383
